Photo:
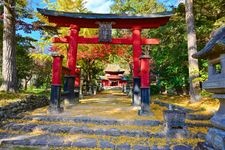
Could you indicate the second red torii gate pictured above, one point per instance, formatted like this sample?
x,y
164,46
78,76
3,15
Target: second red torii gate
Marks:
x,y
86,20
126,41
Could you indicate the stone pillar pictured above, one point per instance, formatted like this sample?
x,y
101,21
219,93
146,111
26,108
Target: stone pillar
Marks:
x,y
72,59
137,51
145,85
81,87
69,89
77,84
65,83
56,84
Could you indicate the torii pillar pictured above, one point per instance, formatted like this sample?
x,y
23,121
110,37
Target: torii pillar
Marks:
x,y
71,63
54,106
137,51
145,85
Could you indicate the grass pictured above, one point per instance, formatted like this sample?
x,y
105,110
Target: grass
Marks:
x,y
37,91
8,98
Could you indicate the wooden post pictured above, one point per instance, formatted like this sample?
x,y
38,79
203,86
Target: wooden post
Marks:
x,y
56,84
145,85
136,55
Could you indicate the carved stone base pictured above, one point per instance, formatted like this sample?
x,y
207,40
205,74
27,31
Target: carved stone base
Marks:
x,y
70,102
54,110
216,138
145,112
145,101
136,99
218,120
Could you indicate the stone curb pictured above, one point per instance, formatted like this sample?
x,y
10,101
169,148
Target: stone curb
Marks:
x,y
173,106
29,103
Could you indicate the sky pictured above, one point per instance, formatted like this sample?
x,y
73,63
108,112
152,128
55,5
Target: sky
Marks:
x,y
99,6
96,6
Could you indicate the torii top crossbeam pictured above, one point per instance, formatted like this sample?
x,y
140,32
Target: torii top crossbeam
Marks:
x,y
90,20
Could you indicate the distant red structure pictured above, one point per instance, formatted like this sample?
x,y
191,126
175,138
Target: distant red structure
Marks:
x,y
114,77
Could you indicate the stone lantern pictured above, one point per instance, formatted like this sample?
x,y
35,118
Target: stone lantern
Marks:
x,y
214,52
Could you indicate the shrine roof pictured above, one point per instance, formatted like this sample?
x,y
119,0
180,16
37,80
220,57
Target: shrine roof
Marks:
x,y
115,78
90,20
115,71
114,68
214,47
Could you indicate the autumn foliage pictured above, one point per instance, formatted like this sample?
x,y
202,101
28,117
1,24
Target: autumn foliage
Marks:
x,y
94,51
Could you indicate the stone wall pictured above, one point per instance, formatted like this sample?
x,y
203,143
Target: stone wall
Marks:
x,y
29,103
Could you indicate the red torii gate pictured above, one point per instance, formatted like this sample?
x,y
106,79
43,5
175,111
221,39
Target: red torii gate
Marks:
x,y
89,20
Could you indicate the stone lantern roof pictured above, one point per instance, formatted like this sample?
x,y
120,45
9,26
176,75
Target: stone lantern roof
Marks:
x,y
214,47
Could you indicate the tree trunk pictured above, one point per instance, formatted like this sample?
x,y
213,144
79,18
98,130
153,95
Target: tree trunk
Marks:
x,y
25,85
9,51
192,48
26,82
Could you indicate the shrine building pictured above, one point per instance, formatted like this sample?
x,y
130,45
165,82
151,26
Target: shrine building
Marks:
x,y
114,77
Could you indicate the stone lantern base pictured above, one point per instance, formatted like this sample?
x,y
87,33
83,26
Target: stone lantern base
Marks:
x,y
215,138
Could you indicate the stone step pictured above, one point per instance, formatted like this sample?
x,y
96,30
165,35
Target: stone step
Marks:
x,y
102,121
115,131
199,116
5,135
198,124
81,129
51,141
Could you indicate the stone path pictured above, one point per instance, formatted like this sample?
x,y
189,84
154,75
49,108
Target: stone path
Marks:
x,y
103,121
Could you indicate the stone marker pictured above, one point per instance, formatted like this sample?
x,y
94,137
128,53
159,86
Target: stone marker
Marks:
x,y
175,123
